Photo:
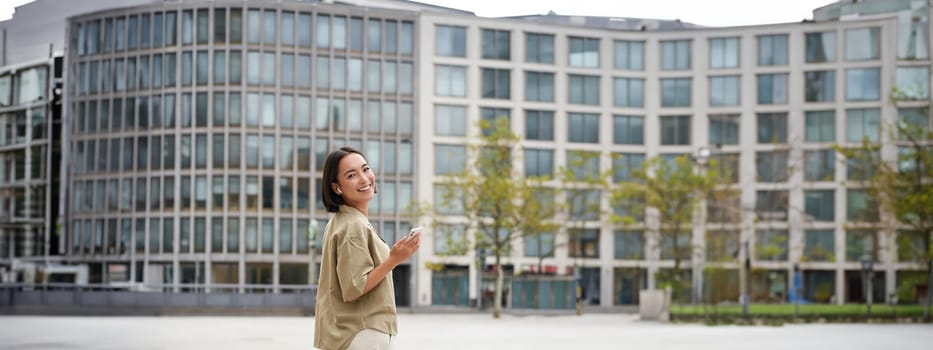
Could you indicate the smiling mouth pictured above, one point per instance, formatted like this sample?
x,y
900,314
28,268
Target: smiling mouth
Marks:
x,y
364,189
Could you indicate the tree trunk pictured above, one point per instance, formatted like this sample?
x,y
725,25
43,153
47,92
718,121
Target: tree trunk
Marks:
x,y
926,309
496,309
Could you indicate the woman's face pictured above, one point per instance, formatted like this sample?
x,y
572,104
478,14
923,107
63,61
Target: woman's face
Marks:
x,y
356,182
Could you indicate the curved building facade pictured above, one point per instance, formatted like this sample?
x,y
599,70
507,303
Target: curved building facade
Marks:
x,y
198,132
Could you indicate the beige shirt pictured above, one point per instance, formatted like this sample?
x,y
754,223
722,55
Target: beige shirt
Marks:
x,y
352,249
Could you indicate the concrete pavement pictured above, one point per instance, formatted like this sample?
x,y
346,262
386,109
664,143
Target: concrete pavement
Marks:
x,y
449,331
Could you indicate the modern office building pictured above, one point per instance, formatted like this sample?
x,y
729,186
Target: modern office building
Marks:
x,y
767,101
31,76
195,134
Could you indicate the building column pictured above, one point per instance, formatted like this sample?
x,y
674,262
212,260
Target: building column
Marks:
x,y
4,251
27,244
840,293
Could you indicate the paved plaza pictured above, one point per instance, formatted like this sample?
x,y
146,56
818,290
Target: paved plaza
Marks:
x,y
449,331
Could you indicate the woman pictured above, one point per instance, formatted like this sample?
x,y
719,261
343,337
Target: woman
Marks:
x,y
355,306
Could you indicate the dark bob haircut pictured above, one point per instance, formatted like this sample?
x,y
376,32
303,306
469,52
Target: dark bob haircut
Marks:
x,y
332,201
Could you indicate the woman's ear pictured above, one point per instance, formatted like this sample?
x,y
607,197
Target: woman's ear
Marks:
x,y
336,188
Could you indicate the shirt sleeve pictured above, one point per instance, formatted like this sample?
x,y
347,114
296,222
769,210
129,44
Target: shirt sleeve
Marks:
x,y
354,263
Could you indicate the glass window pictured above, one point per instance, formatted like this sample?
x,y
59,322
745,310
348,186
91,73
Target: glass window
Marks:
x,y
724,129
31,85
820,126
863,84
583,127
861,244
821,47
583,204
268,68
218,151
722,245
771,245
539,125
860,206
819,245
268,26
323,31
406,78
912,38
451,41
772,166
678,244
628,130
449,159
304,29
539,48
913,83
496,44
450,81
187,30
539,245
675,130
491,116
496,83
863,44
374,35
374,73
820,86
623,164
819,165
723,53
236,25
583,89
203,25
771,205
629,92
772,128
220,25
862,124
539,162
252,67
449,120
675,92
268,235
629,55
772,50
539,86
584,52
675,55
287,28
772,89
819,205
407,38
287,67
724,90
220,67
584,243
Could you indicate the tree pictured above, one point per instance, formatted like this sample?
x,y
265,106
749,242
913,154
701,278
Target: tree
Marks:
x,y
903,188
674,190
500,205
583,184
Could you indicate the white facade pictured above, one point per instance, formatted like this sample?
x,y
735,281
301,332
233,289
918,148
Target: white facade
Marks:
x,y
699,108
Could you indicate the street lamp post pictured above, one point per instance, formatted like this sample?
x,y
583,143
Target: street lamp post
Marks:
x,y
867,274
744,285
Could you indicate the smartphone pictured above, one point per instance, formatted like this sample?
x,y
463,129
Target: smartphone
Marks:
x,y
411,234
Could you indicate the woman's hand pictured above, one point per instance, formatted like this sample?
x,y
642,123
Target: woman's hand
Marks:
x,y
405,247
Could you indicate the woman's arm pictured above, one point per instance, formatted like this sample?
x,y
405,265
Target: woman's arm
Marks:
x,y
401,251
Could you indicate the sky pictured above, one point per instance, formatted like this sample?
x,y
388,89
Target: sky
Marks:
x,y
714,13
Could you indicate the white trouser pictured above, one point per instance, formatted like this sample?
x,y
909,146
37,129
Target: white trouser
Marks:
x,y
369,339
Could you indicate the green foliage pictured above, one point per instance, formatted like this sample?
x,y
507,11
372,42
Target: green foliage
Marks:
x,y
903,188
675,189
499,205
